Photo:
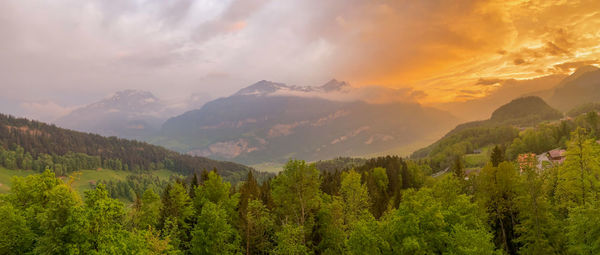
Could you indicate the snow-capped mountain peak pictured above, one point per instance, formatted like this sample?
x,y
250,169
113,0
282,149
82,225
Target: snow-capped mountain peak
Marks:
x,y
263,88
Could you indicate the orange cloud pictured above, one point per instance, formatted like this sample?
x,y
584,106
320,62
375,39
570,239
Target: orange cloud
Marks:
x,y
443,47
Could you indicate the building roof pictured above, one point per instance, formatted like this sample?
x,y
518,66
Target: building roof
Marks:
x,y
557,153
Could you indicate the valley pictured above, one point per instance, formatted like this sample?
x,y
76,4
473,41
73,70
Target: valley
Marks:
x,y
299,127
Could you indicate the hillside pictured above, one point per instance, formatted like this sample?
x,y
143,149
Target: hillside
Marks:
x,y
40,142
524,111
583,86
501,129
272,122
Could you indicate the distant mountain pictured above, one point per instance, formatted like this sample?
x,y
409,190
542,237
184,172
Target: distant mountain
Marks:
x,y
38,138
501,128
525,111
265,88
127,114
583,86
272,122
507,90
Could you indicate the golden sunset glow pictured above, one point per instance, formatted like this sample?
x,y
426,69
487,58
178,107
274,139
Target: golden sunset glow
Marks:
x,y
448,48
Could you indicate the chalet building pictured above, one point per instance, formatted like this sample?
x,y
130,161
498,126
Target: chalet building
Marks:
x,y
551,158
557,156
526,160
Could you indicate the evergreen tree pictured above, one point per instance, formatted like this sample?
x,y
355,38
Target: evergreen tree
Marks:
x,y
149,211
377,183
497,156
536,228
580,174
458,168
497,191
258,228
176,214
330,232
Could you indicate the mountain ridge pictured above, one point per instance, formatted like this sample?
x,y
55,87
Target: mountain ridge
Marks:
x,y
264,122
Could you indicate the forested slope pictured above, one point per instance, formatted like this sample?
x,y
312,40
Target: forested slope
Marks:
x,y
501,129
30,144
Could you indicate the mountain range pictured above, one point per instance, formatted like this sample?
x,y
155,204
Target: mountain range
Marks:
x,y
130,114
272,122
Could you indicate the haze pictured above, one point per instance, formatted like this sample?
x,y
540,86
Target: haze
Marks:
x,y
57,55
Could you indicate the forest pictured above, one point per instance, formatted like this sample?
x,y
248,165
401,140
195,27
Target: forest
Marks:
x,y
27,144
386,205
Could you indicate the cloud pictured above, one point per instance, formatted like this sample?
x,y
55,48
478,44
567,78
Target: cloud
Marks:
x,y
519,61
569,66
369,94
489,81
76,51
45,110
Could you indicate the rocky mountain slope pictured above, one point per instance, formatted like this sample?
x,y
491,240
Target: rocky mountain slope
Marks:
x,y
272,122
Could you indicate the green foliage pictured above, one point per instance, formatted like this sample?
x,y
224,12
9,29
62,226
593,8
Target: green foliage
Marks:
x,y
15,235
213,234
176,214
147,212
330,225
541,139
259,228
465,139
64,151
133,186
497,156
63,224
579,176
497,193
296,192
290,241
458,167
584,229
537,228
355,198
385,206
339,164
377,182
429,221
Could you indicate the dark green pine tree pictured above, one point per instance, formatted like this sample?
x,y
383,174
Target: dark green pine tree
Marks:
x,y
497,156
458,168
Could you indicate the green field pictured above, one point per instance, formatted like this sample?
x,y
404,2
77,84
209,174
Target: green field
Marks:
x,y
477,160
268,167
83,177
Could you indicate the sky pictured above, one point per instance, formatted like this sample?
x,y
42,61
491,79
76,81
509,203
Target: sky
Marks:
x,y
60,54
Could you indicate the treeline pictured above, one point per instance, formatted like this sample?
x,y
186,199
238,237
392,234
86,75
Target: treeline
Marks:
x,y
370,210
502,129
133,186
388,205
543,211
41,140
543,137
463,141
